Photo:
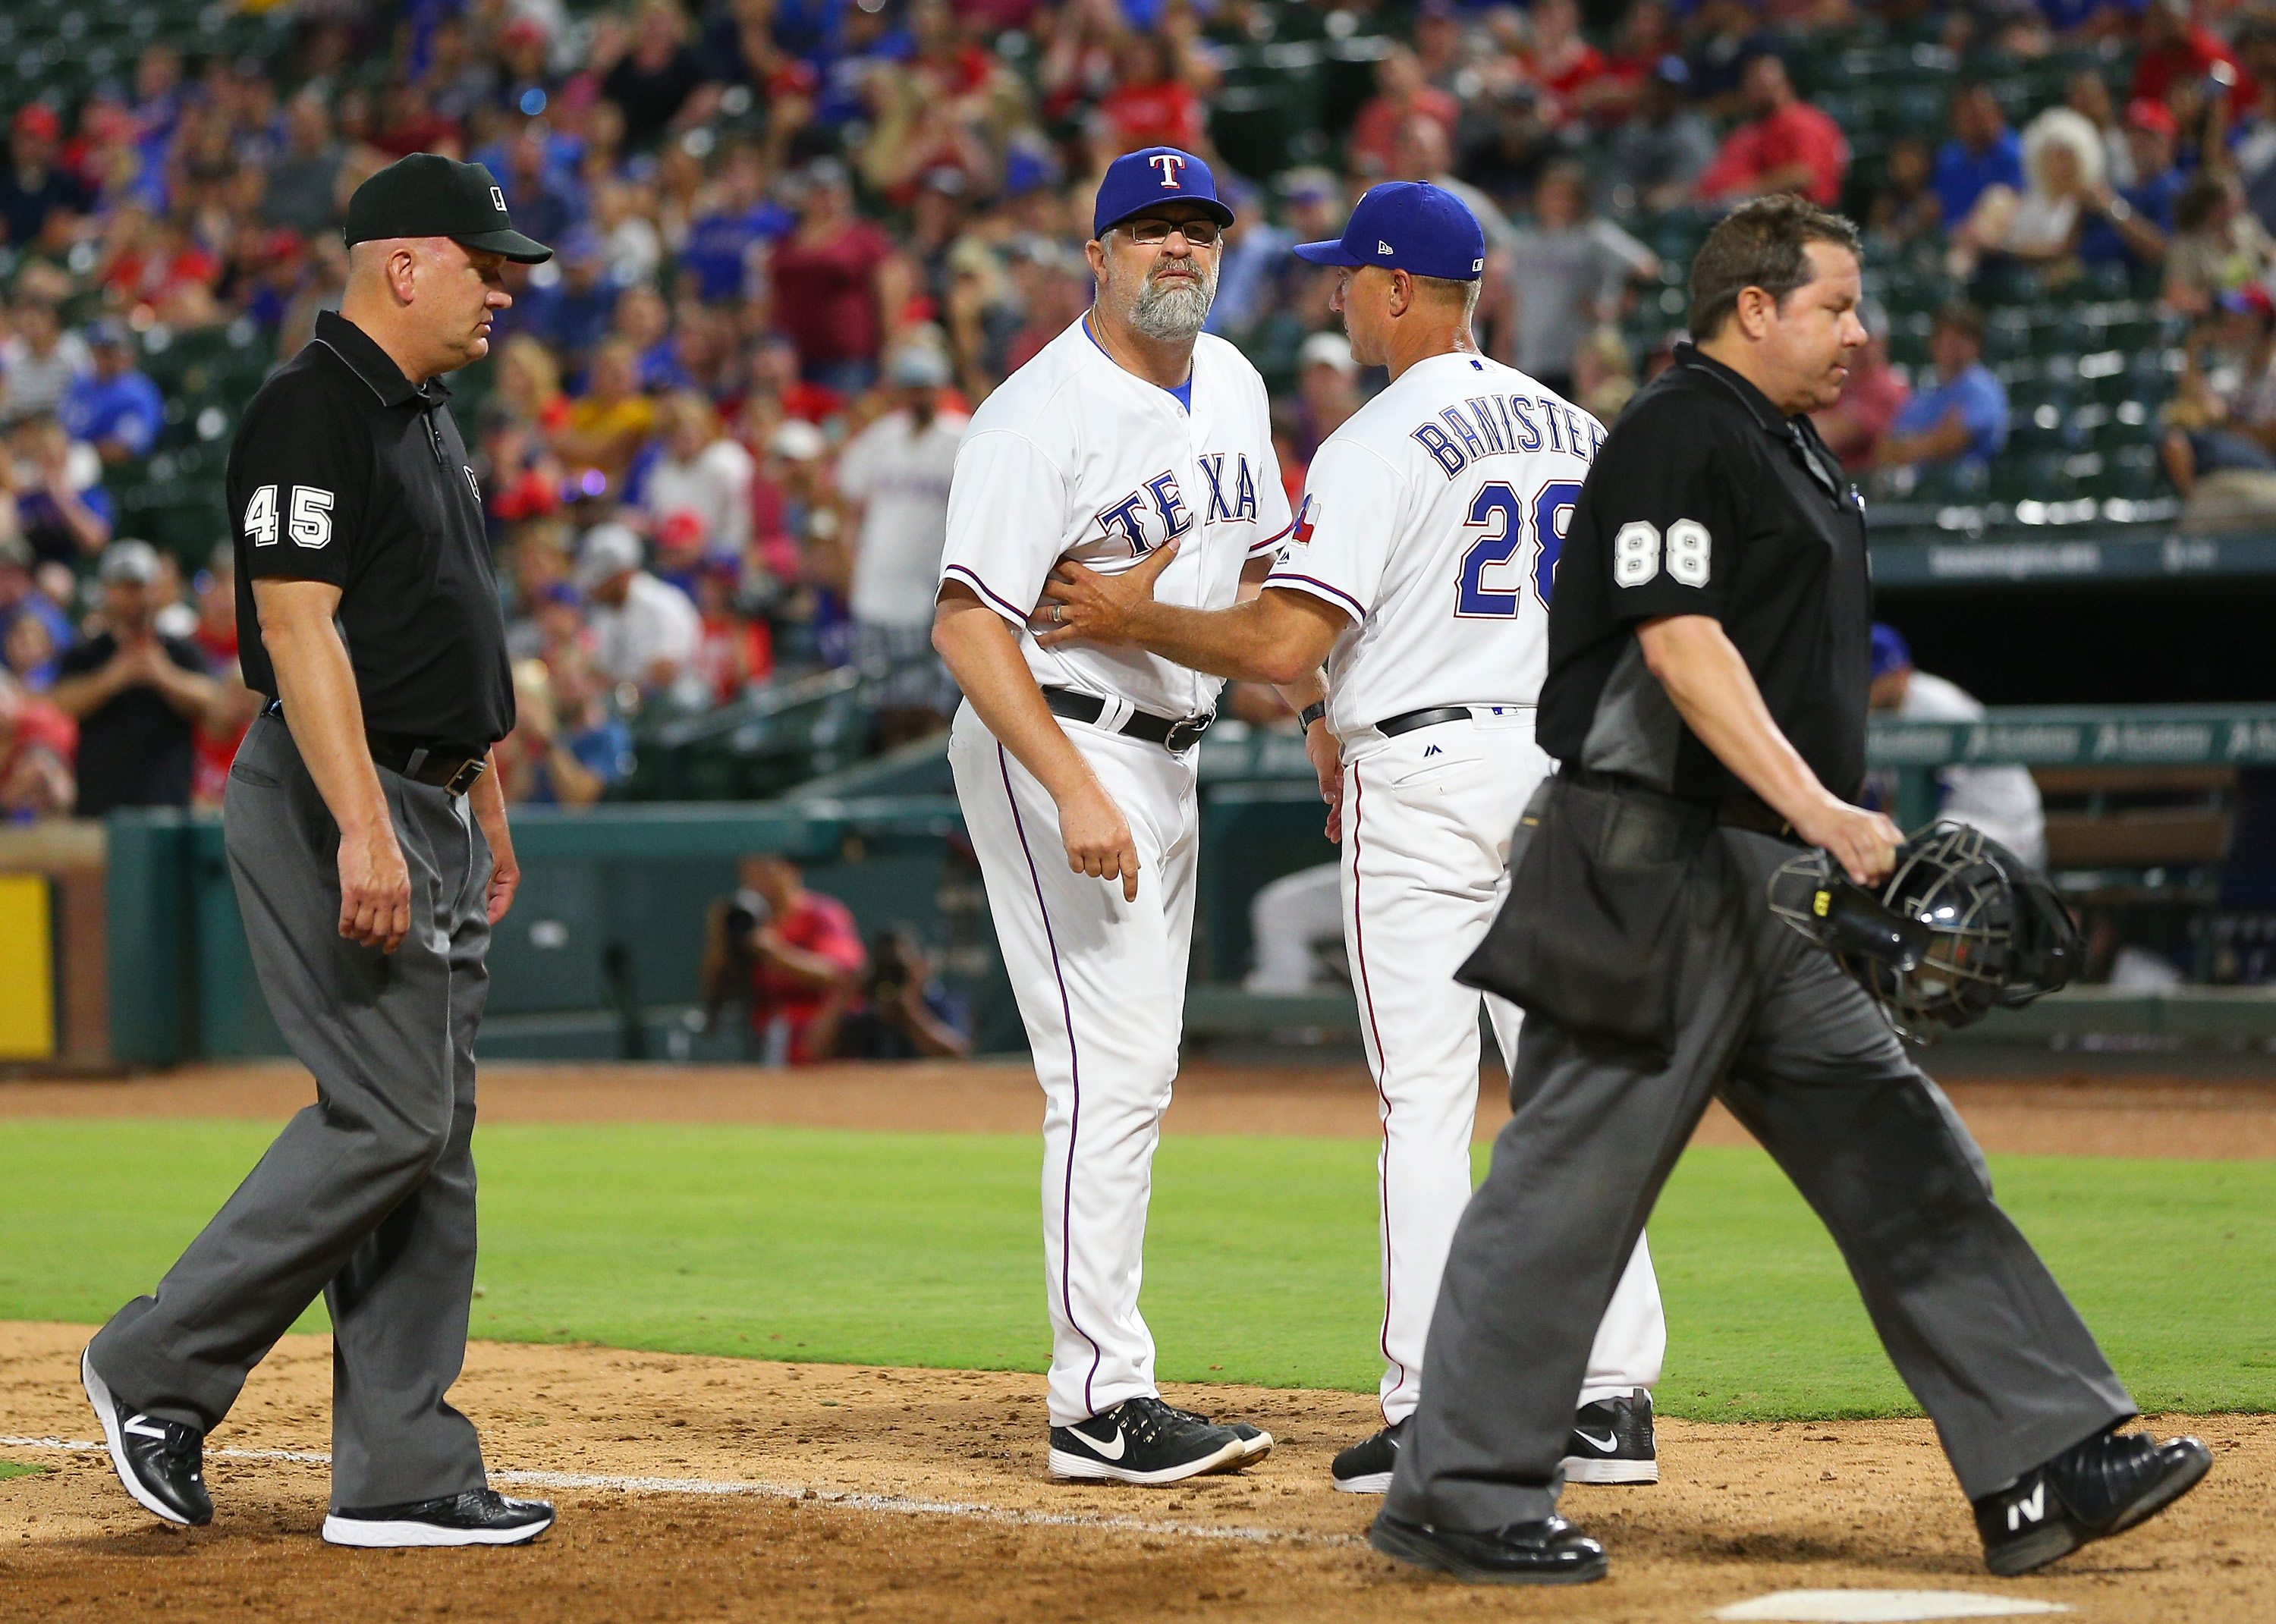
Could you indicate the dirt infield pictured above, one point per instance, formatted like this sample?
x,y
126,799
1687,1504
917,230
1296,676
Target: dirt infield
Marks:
x,y
919,1494
2059,1112
716,1489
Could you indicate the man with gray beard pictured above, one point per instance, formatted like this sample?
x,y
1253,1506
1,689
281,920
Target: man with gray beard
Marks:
x,y
1132,440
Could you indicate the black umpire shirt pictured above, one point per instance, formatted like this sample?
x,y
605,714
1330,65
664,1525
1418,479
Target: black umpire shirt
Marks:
x,y
344,471
1706,500
137,750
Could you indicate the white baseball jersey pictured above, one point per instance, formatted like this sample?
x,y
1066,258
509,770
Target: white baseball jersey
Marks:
x,y
1433,518
1075,458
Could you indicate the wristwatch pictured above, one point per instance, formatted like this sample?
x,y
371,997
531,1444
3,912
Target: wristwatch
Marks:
x,y
1311,713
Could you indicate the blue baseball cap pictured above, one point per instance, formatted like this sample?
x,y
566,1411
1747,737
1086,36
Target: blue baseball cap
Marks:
x,y
1408,225
1889,651
1138,181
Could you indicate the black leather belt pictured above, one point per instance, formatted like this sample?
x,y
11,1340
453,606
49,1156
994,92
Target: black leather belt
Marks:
x,y
1733,811
1176,737
1407,722
445,765
433,761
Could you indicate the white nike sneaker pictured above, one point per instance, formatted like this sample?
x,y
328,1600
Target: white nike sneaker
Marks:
x,y
1145,1441
1612,1442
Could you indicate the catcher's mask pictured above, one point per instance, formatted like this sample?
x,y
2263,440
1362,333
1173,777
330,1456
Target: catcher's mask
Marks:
x,y
1963,925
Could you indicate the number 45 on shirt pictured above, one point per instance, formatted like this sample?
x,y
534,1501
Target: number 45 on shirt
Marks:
x,y
1505,520
309,520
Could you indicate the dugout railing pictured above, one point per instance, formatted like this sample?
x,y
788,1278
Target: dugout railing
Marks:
x,y
599,957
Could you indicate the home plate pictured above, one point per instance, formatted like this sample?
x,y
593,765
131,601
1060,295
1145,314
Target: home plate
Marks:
x,y
1883,1606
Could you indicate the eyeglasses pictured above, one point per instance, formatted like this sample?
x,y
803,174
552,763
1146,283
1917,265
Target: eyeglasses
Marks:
x,y
1154,233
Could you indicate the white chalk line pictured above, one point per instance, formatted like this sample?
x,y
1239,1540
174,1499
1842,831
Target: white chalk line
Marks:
x,y
896,1504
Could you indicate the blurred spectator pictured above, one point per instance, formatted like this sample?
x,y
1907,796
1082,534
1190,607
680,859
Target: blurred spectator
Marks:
x,y
61,507
736,650
2217,247
137,694
572,311
114,408
1982,152
534,765
29,650
893,477
1568,271
1905,209
35,187
2002,801
646,632
1327,393
2132,225
1401,94
828,277
612,420
650,70
1562,62
1151,104
792,955
1788,145
21,598
1603,374
36,745
1655,159
2042,224
39,362
905,1011
2176,48
2220,426
702,473
1961,415
1854,428
301,188
215,634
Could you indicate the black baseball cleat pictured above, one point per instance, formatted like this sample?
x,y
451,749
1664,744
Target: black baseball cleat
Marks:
x,y
2091,1491
163,1463
1366,1468
1144,1440
1549,1551
1255,1442
478,1517
1612,1442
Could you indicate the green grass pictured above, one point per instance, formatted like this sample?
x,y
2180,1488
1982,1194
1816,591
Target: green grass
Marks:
x,y
17,1469
924,1249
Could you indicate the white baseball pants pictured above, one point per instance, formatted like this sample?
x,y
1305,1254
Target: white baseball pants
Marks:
x,y
1101,984
1426,822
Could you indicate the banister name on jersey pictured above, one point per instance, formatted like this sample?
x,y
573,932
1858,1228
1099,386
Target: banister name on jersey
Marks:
x,y
1434,518
1074,458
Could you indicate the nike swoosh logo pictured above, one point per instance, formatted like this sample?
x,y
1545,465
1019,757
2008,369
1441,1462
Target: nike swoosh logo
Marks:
x,y
1608,1443
1099,1448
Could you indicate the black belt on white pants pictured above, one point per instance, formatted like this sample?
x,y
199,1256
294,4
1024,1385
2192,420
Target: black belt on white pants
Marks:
x,y
1176,737
1407,721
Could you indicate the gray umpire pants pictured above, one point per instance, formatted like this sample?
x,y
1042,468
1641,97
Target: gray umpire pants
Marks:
x,y
368,1194
1979,1332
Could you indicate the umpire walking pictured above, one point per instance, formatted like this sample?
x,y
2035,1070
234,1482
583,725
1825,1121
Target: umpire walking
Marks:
x,y
1708,649
369,849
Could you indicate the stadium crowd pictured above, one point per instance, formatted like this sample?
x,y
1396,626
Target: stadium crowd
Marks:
x,y
798,239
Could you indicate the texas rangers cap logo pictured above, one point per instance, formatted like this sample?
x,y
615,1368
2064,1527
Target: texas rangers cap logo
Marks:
x,y
1134,182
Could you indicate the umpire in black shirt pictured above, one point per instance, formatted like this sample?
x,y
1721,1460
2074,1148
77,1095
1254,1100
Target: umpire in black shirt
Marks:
x,y
1708,659
369,849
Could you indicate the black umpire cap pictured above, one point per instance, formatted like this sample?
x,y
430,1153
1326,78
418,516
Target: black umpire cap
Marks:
x,y
429,195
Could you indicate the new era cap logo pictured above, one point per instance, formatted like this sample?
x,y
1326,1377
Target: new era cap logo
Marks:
x,y
1170,164
498,200
1477,264
1382,247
